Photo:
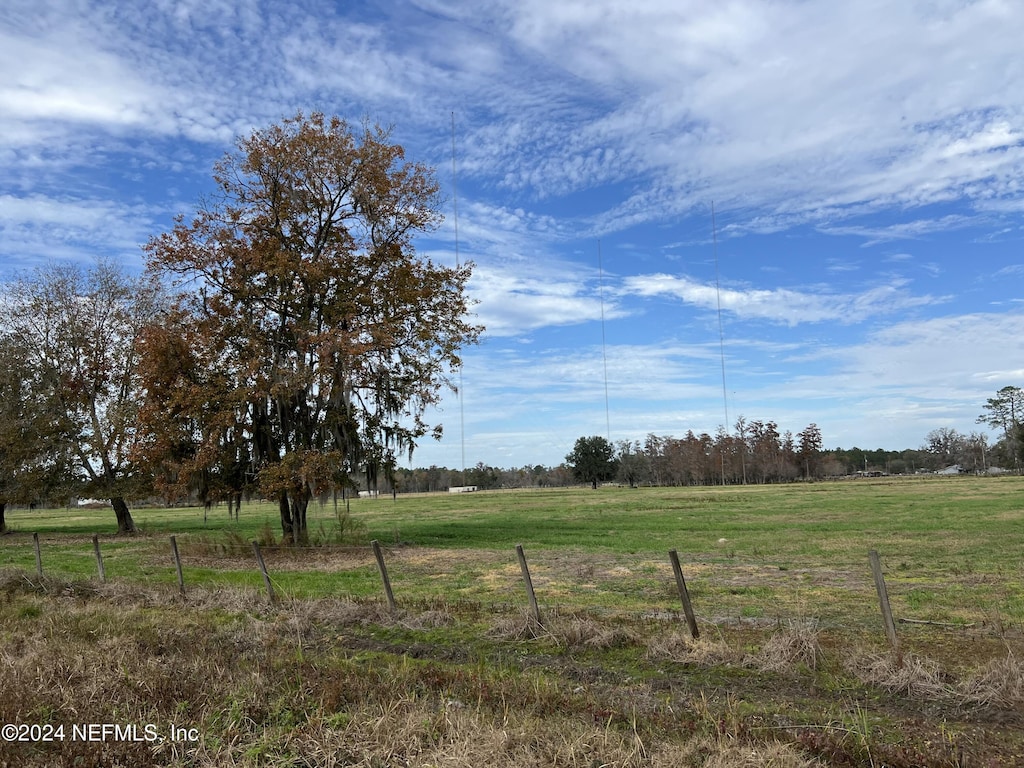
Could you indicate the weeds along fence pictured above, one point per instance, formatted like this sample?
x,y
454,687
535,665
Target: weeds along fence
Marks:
x,y
274,563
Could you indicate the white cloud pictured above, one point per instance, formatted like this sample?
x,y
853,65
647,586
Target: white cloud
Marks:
x,y
804,109
38,227
515,301
937,356
779,305
888,389
802,112
908,230
1012,270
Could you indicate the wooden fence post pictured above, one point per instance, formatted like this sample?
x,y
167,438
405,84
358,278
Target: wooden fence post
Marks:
x,y
383,573
177,565
684,595
263,570
39,556
883,600
534,609
99,557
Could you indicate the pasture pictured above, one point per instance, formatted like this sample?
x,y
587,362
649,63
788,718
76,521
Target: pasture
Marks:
x,y
792,665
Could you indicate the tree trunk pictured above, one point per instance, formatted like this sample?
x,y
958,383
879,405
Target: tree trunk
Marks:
x,y
300,502
3,524
287,526
125,524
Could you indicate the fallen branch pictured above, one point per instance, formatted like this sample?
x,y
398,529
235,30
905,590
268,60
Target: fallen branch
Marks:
x,y
934,623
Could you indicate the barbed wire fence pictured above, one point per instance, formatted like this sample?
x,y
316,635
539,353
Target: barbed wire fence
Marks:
x,y
691,613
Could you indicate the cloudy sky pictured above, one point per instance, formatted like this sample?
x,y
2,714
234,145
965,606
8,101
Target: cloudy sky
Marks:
x,y
864,161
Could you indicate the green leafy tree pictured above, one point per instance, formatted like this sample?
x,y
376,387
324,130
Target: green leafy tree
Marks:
x,y
633,466
28,467
947,445
592,460
1005,412
36,459
483,476
78,331
809,451
319,336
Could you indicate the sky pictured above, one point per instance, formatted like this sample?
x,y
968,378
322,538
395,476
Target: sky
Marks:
x,y
680,212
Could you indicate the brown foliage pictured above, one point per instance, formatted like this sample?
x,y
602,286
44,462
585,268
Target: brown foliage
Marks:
x,y
312,337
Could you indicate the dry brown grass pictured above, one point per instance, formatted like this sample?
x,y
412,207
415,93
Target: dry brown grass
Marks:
x,y
261,696
413,733
263,688
999,683
770,756
566,631
910,675
794,644
702,652
585,632
519,627
345,682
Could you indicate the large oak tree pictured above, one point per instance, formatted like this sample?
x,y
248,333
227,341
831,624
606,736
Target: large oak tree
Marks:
x,y
592,460
310,337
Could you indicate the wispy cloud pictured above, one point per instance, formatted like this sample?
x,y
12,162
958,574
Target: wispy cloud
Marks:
x,y
38,227
788,112
513,303
780,305
957,357
1012,270
806,111
909,230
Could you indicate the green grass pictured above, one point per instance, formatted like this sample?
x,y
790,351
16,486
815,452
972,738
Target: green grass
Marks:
x,y
950,548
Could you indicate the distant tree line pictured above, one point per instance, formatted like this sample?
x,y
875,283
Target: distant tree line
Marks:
x,y
483,476
756,452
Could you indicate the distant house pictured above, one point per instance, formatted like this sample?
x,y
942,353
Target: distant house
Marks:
x,y
462,489
955,469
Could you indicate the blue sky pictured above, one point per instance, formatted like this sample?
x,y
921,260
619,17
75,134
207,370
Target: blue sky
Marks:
x,y
865,160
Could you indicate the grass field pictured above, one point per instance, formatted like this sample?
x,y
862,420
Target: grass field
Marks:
x,y
792,666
